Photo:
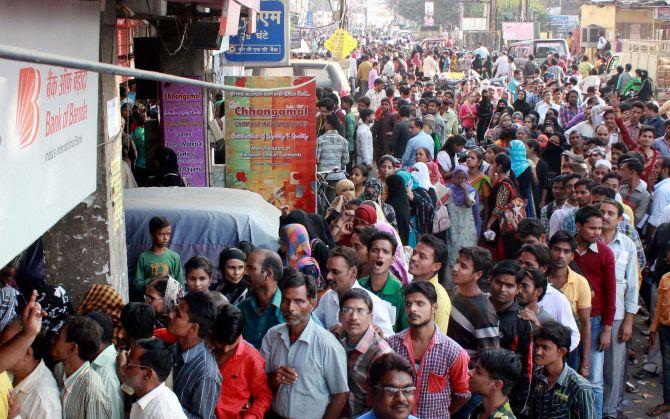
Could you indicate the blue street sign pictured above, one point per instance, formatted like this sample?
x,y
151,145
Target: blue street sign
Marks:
x,y
309,21
269,44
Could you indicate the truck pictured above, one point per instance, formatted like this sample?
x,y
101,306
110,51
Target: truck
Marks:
x,y
650,55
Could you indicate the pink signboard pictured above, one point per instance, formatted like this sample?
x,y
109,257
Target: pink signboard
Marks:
x,y
183,123
518,31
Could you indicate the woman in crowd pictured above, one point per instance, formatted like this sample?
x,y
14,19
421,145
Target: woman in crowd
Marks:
x,y
521,104
423,209
429,128
479,181
373,192
423,155
484,114
541,175
234,285
447,158
505,190
163,294
359,175
468,112
463,206
552,153
397,198
524,176
198,273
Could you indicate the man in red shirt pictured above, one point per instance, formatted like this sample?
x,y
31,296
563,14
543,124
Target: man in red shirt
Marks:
x,y
596,260
246,392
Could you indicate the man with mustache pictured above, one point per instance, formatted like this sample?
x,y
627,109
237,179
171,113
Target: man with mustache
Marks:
x,y
391,382
441,364
362,344
312,381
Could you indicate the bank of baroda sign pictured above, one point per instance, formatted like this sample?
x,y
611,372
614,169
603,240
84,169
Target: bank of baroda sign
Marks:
x,y
48,119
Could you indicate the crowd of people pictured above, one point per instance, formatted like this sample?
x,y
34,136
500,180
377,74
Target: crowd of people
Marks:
x,y
483,252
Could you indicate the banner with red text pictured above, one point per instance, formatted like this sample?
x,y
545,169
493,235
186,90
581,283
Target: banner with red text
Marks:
x,y
48,118
271,140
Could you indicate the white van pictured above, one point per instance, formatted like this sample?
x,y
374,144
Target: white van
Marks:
x,y
540,48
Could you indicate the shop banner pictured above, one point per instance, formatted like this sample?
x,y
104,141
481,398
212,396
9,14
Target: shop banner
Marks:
x,y
271,140
48,119
517,31
184,129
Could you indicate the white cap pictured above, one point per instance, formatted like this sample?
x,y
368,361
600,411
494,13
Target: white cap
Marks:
x,y
605,163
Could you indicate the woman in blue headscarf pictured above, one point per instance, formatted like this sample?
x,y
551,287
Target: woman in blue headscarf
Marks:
x,y
462,202
524,175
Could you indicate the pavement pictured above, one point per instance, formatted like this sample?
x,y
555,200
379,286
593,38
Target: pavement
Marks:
x,y
650,391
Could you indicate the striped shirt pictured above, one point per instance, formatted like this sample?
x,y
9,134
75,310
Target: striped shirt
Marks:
x,y
83,394
570,397
332,151
196,381
359,358
474,324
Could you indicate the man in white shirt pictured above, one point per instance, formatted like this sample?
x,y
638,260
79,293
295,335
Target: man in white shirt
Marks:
x,y
430,67
501,67
147,366
352,74
364,138
34,384
482,51
661,196
376,94
342,268
105,362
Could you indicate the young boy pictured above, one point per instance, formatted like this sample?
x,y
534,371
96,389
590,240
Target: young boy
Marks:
x,y
159,260
474,322
492,379
557,390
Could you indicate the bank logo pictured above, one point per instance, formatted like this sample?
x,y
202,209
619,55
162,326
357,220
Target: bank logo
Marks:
x,y
27,108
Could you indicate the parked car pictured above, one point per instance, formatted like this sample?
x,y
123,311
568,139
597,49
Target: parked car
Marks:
x,y
332,77
540,48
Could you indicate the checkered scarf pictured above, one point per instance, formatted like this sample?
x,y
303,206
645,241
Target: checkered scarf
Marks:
x,y
106,299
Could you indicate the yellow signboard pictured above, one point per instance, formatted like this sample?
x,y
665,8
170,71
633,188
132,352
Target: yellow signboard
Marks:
x,y
341,44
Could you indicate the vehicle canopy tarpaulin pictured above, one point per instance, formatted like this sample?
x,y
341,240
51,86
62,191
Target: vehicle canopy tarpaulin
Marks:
x,y
204,221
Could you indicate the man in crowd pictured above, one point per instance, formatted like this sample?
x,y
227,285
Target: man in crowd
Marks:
x,y
401,133
342,271
145,370
515,332
382,130
362,344
441,364
419,139
82,389
364,69
425,264
559,215
627,295
360,239
306,365
492,378
376,94
364,142
557,390
196,377
34,384
391,383
474,322
332,153
596,261
262,309
381,282
634,190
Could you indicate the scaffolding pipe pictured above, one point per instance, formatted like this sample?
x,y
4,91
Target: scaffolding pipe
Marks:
x,y
38,57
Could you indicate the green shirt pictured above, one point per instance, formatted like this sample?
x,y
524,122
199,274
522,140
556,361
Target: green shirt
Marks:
x,y
503,412
350,130
150,264
392,293
140,145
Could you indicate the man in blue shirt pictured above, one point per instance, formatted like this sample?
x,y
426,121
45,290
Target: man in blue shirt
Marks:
x,y
196,377
419,139
391,380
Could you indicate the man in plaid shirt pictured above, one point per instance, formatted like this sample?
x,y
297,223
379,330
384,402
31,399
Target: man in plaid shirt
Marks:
x,y
441,365
569,109
363,346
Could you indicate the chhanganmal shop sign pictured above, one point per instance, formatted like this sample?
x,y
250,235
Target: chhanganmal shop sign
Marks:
x,y
48,119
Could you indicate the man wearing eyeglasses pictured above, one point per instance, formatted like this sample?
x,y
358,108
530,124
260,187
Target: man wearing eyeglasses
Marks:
x,y
145,370
391,382
362,344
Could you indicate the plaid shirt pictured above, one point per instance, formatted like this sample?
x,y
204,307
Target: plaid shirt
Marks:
x,y
570,397
332,151
566,113
442,370
359,358
624,227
